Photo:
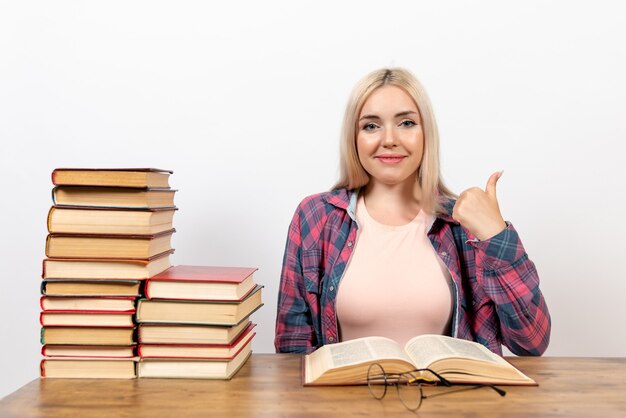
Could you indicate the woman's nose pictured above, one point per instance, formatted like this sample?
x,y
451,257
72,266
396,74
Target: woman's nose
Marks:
x,y
389,138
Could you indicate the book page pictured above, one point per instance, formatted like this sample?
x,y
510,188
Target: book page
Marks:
x,y
426,349
364,349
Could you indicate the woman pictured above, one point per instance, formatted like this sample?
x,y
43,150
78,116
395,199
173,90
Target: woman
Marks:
x,y
390,251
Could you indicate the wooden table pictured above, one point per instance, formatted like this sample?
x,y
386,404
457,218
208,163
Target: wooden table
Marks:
x,y
269,385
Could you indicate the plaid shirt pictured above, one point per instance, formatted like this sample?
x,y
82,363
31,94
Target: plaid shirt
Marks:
x,y
495,285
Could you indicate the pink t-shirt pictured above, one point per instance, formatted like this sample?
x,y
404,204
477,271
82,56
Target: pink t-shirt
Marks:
x,y
395,285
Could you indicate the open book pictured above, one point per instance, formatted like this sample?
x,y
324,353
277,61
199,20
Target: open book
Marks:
x,y
459,361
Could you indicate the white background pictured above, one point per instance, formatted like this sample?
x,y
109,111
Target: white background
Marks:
x,y
244,102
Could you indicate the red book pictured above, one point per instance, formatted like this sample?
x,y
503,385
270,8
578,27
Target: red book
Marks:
x,y
199,351
201,283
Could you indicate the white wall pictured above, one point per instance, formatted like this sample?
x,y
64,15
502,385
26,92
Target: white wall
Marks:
x,y
244,101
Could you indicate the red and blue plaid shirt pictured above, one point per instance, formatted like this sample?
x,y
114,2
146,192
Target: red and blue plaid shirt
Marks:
x,y
495,285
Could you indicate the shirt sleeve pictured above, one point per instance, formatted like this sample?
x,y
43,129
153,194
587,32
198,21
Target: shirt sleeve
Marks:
x,y
294,324
510,280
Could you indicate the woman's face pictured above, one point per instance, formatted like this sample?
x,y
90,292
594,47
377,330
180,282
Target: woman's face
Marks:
x,y
390,140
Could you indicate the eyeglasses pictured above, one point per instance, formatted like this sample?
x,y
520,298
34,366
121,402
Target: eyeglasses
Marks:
x,y
409,385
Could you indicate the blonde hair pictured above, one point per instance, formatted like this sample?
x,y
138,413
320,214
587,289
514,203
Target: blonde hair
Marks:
x,y
353,175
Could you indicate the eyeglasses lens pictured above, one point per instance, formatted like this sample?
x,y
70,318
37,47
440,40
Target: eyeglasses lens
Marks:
x,y
377,381
410,394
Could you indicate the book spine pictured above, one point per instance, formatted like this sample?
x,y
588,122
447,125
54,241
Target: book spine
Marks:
x,y
41,302
249,342
146,289
42,339
42,367
49,220
48,245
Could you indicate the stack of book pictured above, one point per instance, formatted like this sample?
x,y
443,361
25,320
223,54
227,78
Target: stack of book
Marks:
x,y
109,230
194,322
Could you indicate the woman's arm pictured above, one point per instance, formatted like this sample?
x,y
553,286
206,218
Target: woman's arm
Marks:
x,y
294,323
504,270
509,278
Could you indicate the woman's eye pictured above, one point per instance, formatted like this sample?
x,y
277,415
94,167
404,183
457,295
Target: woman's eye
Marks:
x,y
369,126
407,123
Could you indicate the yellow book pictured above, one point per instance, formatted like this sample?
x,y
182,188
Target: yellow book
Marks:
x,y
93,268
91,220
108,246
115,197
120,177
199,312
77,287
190,334
193,368
88,368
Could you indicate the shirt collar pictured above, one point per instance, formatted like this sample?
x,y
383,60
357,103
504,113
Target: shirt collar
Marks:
x,y
344,199
447,206
339,197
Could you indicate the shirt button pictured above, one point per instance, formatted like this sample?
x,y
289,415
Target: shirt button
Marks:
x,y
349,243
331,339
332,288
443,253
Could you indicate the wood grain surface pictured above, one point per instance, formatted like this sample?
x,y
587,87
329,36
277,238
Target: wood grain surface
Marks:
x,y
270,385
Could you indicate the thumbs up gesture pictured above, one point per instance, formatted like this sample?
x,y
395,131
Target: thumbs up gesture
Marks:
x,y
478,211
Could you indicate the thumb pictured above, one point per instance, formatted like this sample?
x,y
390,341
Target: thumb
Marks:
x,y
491,183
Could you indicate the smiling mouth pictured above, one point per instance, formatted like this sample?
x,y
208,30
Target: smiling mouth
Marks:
x,y
390,159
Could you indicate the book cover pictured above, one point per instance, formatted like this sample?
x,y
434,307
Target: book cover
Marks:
x,y
90,288
199,312
199,351
89,351
208,283
113,197
88,368
88,335
206,274
106,246
105,268
148,333
115,177
109,220
146,237
193,368
88,303
113,319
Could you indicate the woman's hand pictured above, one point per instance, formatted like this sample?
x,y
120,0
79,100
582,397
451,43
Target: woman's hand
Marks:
x,y
478,210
